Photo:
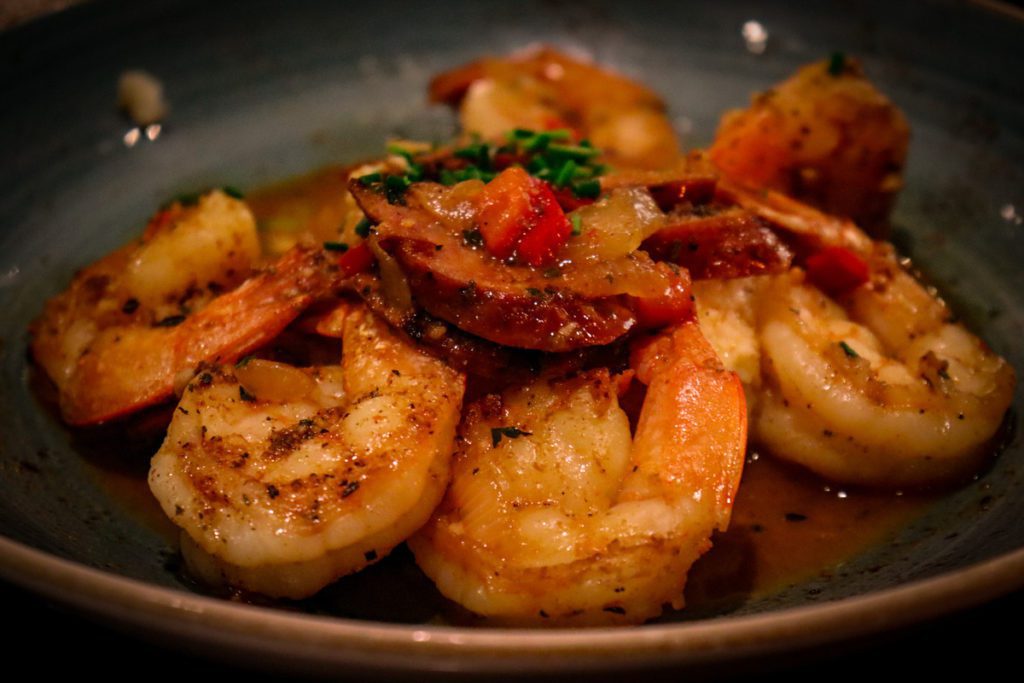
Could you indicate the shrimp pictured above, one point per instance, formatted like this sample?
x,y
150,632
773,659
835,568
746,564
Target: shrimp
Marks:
x,y
127,368
542,89
556,516
862,375
185,256
825,136
117,339
283,479
884,390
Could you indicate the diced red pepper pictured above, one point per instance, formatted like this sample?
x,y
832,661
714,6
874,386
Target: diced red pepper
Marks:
x,y
837,270
519,214
356,260
505,210
550,229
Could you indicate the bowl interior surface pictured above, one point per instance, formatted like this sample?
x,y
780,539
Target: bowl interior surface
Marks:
x,y
262,91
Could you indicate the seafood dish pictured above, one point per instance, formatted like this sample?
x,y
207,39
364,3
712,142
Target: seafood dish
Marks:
x,y
538,355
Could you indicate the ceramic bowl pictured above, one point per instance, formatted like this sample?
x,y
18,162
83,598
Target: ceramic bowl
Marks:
x,y
261,91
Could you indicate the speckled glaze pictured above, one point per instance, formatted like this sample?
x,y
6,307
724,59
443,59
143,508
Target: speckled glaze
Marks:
x,y
261,91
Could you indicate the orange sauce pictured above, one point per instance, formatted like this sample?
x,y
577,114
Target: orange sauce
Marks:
x,y
314,204
789,526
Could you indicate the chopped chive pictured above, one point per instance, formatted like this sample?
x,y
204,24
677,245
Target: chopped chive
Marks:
x,y
447,177
186,199
245,395
508,432
415,172
336,246
479,153
401,152
577,224
552,272
565,173
471,172
848,350
536,165
576,152
534,292
363,227
587,189
395,187
244,361
232,191
370,178
519,134
539,142
836,63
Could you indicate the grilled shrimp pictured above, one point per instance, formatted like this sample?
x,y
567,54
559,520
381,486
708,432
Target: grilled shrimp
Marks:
x,y
116,340
874,384
542,89
555,515
283,479
825,136
185,256
863,376
883,390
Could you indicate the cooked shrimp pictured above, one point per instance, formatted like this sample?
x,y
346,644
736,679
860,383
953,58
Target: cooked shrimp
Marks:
x,y
542,89
870,384
127,367
284,479
885,391
185,257
825,136
556,516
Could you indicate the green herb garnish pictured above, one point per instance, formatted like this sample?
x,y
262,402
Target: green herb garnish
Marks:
x,y
508,432
577,224
848,350
363,227
565,174
836,64
336,246
588,189
395,187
